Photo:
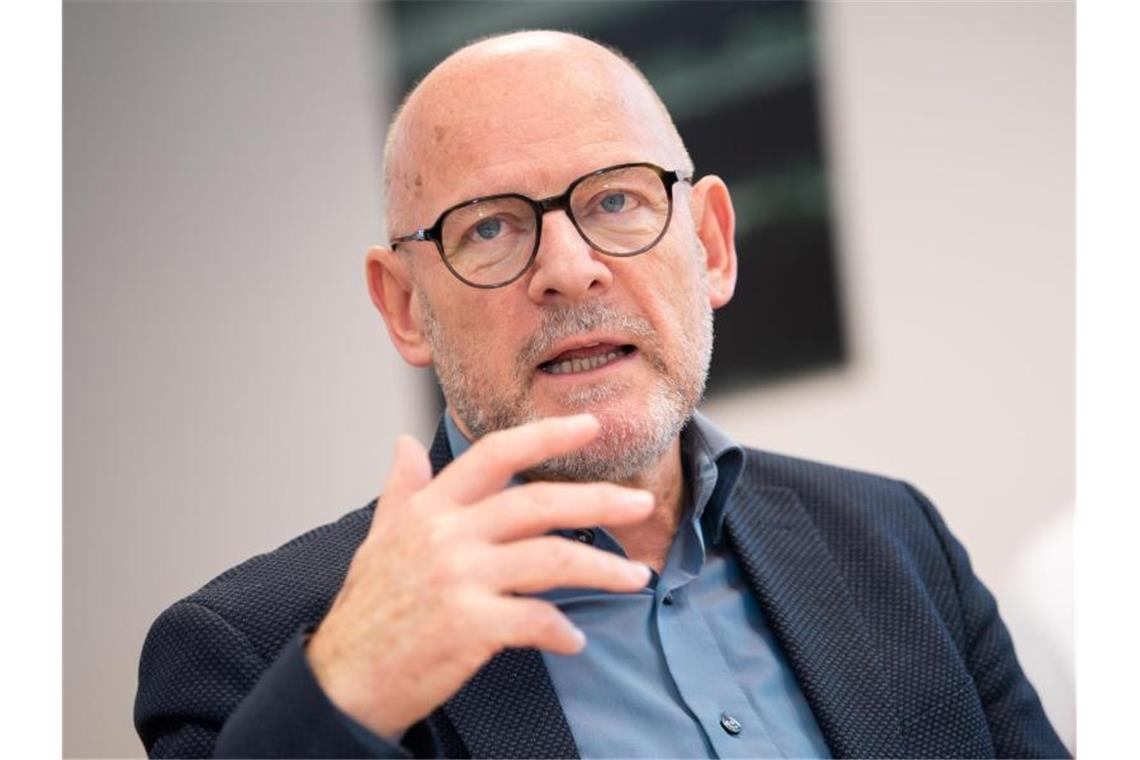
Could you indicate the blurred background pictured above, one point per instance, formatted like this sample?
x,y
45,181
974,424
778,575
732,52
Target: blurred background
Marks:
x,y
903,175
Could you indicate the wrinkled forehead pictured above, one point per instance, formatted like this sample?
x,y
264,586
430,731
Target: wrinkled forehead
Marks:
x,y
526,123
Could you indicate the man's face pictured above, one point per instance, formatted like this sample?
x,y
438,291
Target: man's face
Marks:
x,y
627,339
653,356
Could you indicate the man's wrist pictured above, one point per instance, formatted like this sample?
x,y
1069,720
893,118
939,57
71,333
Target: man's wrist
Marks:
x,y
359,715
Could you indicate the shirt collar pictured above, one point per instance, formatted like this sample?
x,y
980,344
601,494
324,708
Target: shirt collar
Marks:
x,y
455,439
713,462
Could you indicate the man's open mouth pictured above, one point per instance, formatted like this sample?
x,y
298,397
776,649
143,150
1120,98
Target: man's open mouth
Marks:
x,y
586,358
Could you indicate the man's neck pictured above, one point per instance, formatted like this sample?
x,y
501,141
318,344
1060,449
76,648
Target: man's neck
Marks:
x,y
649,541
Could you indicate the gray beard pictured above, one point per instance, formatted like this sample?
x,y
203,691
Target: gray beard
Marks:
x,y
626,446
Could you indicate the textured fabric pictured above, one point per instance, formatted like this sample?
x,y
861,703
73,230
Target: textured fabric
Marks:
x,y
236,642
896,645
509,709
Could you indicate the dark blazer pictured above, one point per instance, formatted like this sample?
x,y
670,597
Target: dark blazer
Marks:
x,y
897,646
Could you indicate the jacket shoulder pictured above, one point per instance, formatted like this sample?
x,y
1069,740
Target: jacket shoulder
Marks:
x,y
820,483
207,652
847,504
270,596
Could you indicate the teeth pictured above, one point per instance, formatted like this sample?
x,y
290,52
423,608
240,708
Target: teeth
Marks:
x,y
581,365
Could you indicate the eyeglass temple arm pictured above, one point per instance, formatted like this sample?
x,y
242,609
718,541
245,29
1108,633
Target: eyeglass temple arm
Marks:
x,y
415,236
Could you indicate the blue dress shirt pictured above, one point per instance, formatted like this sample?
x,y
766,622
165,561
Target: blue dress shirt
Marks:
x,y
687,667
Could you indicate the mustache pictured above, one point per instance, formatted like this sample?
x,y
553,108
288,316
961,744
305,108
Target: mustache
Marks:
x,y
565,321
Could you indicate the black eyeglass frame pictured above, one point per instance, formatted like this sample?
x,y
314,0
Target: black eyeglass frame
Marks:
x,y
434,233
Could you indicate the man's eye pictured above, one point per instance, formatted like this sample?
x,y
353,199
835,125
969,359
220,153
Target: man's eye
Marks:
x,y
488,229
613,202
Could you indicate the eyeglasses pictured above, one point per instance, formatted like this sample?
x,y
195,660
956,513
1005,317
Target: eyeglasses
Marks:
x,y
489,242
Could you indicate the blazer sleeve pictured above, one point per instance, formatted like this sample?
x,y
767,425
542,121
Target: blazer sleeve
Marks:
x,y
204,691
1017,722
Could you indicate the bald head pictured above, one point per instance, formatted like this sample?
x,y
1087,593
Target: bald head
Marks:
x,y
526,107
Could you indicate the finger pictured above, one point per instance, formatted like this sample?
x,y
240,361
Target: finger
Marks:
x,y
522,622
540,564
537,508
411,471
492,460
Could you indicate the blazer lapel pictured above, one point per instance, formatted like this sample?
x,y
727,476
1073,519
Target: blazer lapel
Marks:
x,y
509,708
805,599
440,451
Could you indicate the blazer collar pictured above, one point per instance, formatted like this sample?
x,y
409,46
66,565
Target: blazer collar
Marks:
x,y
509,708
805,599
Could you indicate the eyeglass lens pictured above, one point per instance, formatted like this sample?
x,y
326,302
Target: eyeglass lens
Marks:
x,y
620,212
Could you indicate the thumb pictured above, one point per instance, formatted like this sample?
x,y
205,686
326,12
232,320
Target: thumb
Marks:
x,y
410,471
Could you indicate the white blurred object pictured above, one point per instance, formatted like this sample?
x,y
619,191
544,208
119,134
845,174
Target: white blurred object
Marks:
x,y
1038,609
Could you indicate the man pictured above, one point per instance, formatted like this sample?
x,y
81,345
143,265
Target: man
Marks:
x,y
583,565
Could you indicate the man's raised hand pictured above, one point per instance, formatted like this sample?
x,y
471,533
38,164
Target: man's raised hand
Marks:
x,y
430,595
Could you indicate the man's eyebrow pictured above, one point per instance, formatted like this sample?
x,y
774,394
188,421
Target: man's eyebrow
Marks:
x,y
481,188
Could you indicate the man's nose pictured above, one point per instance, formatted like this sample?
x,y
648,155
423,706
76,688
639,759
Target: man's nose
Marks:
x,y
566,267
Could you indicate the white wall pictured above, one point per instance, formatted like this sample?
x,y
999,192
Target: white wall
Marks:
x,y
228,384
951,137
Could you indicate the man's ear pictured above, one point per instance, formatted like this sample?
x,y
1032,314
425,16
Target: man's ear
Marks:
x,y
390,286
715,221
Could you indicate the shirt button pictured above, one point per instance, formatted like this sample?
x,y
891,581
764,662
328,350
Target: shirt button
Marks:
x,y
585,536
730,724
667,600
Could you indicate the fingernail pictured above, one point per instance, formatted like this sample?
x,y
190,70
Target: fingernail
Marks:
x,y
640,572
579,637
638,497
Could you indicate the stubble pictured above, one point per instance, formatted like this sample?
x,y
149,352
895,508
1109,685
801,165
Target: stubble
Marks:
x,y
629,442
